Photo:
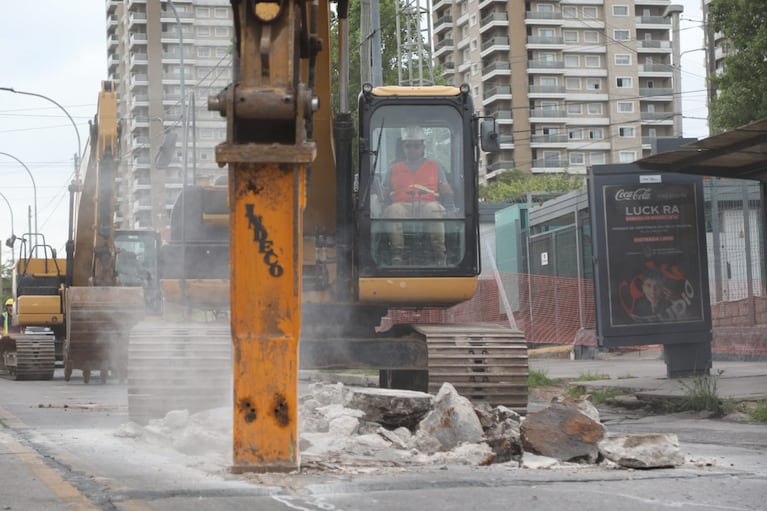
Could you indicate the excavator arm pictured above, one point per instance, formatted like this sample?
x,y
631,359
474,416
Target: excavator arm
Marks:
x,y
268,108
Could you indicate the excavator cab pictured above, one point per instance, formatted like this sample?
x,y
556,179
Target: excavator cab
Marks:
x,y
418,201
137,264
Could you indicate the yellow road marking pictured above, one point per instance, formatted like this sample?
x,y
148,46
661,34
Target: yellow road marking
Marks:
x,y
49,476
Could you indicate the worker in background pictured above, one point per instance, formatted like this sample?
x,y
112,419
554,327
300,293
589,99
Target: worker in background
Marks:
x,y
8,326
417,187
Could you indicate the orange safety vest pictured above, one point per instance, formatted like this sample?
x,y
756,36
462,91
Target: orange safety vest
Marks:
x,y
403,178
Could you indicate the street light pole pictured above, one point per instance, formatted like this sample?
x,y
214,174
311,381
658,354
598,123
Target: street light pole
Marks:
x,y
13,229
34,185
74,186
74,125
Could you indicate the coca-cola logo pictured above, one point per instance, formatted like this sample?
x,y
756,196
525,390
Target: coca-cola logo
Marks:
x,y
638,194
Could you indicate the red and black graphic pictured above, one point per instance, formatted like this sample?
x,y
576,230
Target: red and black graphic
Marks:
x,y
654,271
658,292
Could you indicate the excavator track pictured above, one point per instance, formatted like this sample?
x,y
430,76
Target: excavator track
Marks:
x,y
484,362
175,366
28,356
98,322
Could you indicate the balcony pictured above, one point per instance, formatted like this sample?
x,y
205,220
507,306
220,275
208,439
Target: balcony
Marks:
x,y
495,19
440,3
496,93
657,116
486,3
496,67
656,92
136,18
548,114
655,68
495,44
660,21
137,39
443,23
506,141
546,89
443,46
544,40
652,44
541,18
556,138
540,65
501,165
138,59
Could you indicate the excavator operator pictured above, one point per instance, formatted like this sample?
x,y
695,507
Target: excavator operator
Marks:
x,y
417,187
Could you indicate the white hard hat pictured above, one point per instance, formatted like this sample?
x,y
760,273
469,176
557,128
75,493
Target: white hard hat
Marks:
x,y
412,133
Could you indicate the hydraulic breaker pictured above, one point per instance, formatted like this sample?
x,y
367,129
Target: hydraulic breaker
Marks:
x,y
267,109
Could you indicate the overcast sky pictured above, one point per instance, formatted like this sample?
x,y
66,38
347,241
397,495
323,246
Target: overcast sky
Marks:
x,y
58,49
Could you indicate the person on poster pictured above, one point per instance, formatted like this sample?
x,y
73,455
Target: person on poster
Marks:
x,y
655,302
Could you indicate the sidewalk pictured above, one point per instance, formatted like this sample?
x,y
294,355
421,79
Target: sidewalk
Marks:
x,y
643,373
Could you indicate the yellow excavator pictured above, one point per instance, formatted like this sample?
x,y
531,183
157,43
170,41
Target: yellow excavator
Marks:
x,y
27,352
312,240
90,300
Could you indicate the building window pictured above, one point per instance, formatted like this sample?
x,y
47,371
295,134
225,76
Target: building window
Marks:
x,y
221,12
570,36
594,109
474,69
222,31
203,31
551,158
202,12
574,108
221,51
577,159
627,156
624,82
568,11
575,134
547,33
620,10
473,20
622,59
625,107
573,83
621,35
591,36
593,83
626,132
592,61
596,134
590,13
548,81
572,61
474,44
596,158
203,51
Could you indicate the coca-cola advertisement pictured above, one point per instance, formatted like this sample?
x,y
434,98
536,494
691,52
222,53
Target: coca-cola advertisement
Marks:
x,y
652,249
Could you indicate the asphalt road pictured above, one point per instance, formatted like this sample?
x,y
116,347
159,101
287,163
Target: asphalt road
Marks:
x,y
58,451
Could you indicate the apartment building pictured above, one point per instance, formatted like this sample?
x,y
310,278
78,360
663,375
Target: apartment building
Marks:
x,y
146,57
571,83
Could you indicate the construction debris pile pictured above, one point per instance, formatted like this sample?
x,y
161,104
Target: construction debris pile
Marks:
x,y
351,426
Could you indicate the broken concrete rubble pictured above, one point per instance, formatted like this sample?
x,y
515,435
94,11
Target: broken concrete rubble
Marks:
x,y
561,431
452,431
388,407
647,450
451,422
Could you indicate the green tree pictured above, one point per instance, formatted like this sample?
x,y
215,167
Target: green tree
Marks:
x,y
516,183
390,59
742,87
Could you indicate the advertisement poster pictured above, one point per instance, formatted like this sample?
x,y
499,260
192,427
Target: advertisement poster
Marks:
x,y
654,271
